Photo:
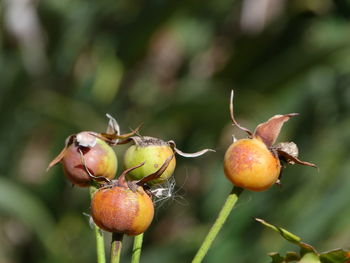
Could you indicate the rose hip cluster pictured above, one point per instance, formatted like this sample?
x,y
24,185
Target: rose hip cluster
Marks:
x,y
122,205
125,205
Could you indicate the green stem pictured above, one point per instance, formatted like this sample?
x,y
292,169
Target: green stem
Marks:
x,y
220,220
136,250
100,246
116,247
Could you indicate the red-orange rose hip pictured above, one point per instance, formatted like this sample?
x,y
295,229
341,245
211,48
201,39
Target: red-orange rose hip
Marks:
x,y
99,159
121,210
249,164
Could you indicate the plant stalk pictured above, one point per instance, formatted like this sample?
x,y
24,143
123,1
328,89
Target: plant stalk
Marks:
x,y
116,247
100,246
220,220
136,250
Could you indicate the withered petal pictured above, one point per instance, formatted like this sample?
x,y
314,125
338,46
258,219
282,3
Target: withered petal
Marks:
x,y
292,159
113,126
86,139
289,147
269,131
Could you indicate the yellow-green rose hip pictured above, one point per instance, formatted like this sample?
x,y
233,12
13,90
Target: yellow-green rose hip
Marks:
x,y
153,152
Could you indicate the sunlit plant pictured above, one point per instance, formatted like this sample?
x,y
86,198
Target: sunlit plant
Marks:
x,y
252,163
125,206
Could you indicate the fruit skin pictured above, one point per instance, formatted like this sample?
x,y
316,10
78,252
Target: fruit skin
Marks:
x,y
249,164
100,159
154,155
120,210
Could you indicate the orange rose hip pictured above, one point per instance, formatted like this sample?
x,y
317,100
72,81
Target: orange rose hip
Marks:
x,y
249,164
122,210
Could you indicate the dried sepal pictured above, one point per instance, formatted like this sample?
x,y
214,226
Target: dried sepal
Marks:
x,y
121,181
60,156
290,159
125,141
233,117
86,139
131,184
158,173
134,185
289,147
195,154
113,126
88,171
124,173
114,138
269,130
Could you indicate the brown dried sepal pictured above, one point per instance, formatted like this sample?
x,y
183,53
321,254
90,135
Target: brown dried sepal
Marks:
x,y
188,155
151,141
113,138
289,147
112,134
60,156
134,185
158,173
269,130
290,159
232,116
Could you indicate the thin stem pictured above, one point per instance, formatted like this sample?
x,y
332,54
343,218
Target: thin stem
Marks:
x,y
100,246
220,220
136,250
116,247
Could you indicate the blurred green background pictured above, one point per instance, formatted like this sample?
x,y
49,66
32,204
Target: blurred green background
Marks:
x,y
171,65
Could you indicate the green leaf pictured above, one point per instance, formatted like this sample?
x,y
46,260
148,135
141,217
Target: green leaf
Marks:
x,y
335,256
284,233
310,258
304,248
